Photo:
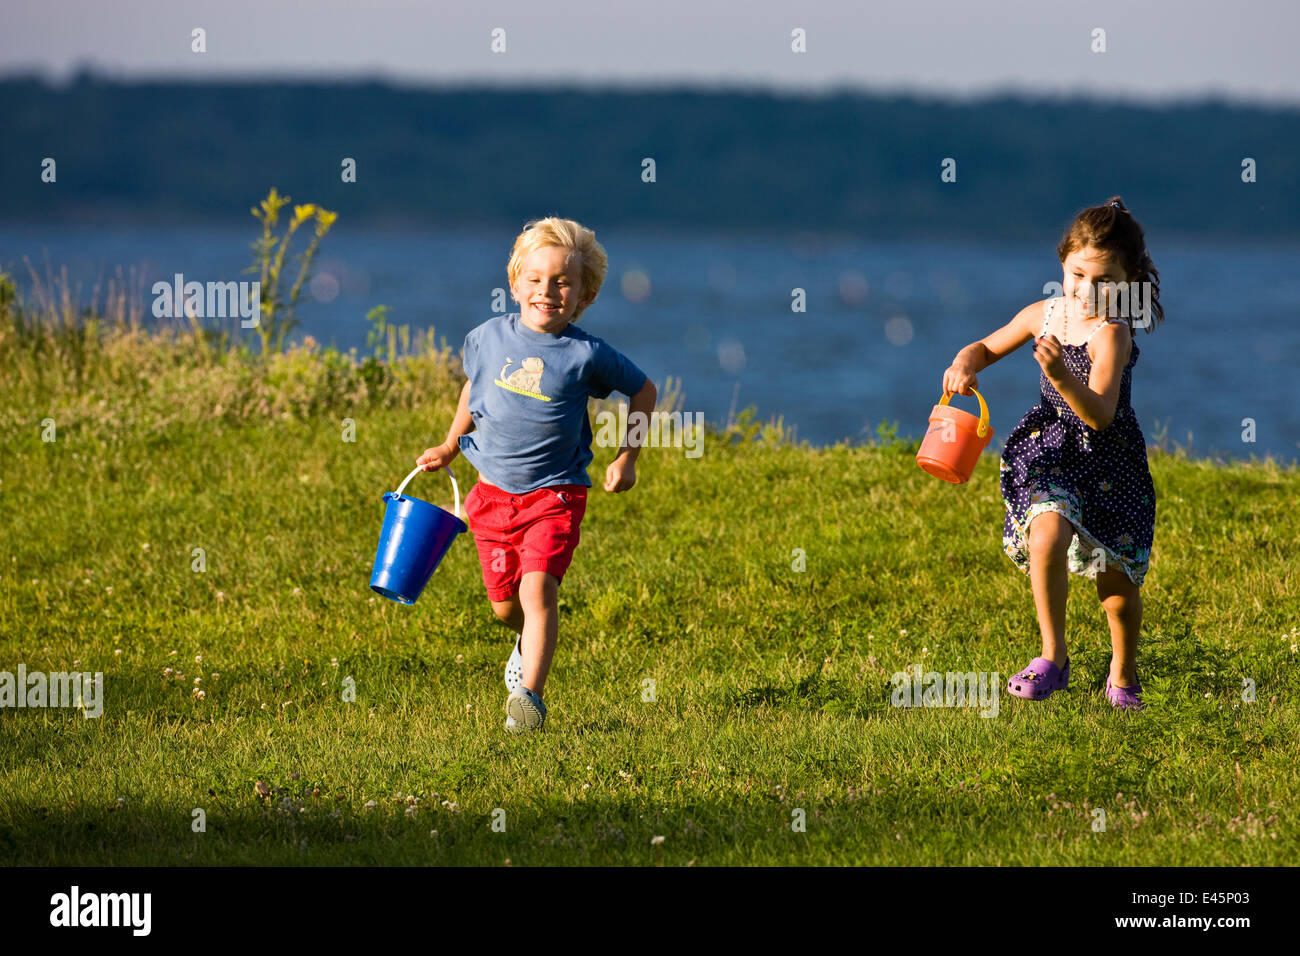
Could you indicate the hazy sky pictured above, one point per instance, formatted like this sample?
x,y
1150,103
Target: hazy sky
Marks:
x,y
1156,49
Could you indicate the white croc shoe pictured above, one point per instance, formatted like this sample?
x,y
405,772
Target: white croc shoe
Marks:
x,y
514,668
524,711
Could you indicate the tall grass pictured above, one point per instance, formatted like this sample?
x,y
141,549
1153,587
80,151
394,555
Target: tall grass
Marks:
x,y
97,369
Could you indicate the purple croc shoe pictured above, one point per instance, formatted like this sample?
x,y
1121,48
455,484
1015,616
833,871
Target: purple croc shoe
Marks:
x,y
1125,698
1039,680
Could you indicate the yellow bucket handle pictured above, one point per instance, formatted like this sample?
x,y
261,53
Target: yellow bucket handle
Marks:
x,y
984,412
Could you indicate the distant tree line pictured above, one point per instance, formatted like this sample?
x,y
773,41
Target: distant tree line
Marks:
x,y
169,152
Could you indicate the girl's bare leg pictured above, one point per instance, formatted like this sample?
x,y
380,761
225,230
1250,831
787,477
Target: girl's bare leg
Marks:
x,y
1122,600
1049,545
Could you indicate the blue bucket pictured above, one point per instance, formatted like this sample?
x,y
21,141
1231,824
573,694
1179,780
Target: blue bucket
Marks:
x,y
414,539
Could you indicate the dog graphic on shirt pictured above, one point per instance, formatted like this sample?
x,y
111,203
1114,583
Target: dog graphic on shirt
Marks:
x,y
526,380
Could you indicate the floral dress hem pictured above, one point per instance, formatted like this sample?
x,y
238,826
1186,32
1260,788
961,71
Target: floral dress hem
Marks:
x,y
1083,557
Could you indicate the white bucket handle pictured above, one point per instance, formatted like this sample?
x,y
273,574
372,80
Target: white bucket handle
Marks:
x,y
455,488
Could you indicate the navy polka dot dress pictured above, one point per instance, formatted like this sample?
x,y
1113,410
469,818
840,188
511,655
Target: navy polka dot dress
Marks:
x,y
1098,480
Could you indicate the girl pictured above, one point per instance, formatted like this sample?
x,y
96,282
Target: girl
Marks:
x,y
1074,471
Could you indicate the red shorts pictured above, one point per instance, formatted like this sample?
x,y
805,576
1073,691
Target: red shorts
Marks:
x,y
516,534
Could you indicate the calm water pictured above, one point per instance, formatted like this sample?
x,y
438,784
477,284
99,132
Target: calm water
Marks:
x,y
883,319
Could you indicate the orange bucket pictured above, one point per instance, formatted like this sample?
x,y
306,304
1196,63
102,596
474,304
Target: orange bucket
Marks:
x,y
954,441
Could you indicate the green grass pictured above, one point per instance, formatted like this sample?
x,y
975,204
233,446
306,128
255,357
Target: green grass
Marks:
x,y
772,686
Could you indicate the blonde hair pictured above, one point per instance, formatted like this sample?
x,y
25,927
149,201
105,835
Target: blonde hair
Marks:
x,y
576,239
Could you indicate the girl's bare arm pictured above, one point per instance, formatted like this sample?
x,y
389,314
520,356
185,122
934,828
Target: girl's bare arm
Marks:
x,y
1096,400
960,377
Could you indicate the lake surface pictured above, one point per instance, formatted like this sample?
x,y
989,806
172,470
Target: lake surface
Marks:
x,y
883,319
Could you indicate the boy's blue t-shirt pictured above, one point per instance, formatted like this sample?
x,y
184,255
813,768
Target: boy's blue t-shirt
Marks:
x,y
528,397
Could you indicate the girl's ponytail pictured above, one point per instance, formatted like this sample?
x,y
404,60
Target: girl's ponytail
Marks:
x,y
1146,272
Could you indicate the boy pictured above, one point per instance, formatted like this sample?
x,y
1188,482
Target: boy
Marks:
x,y
522,423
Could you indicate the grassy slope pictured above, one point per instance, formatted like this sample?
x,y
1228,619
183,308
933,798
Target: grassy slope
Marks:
x,y
771,686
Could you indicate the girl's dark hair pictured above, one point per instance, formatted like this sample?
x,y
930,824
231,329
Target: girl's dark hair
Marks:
x,y
1112,229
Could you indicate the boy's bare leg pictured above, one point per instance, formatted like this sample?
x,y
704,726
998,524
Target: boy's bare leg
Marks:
x,y
511,612
1049,574
1122,600
538,594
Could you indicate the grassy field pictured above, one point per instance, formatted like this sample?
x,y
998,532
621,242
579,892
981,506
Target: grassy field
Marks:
x,y
771,685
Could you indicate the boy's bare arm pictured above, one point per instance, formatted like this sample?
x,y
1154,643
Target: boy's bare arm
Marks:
x,y
643,402
621,473
461,424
